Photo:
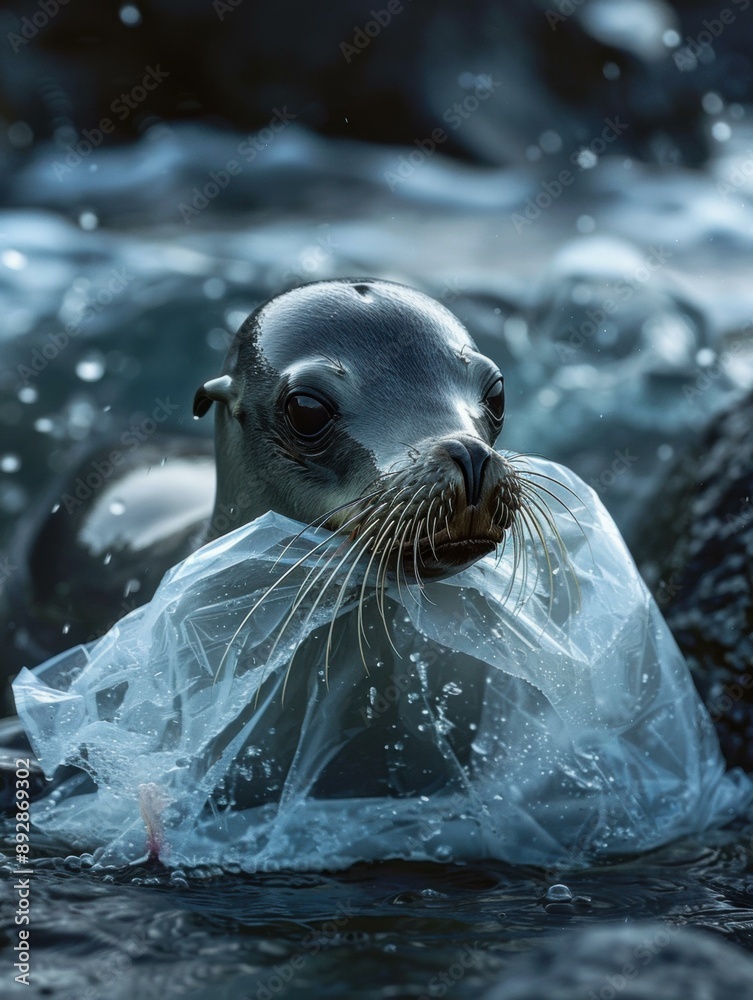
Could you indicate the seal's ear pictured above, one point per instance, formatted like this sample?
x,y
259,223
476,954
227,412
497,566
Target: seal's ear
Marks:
x,y
222,389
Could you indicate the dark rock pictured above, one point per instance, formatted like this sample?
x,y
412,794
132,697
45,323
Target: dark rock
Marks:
x,y
706,589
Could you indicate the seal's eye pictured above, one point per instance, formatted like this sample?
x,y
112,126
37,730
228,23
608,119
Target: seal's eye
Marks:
x,y
495,401
307,416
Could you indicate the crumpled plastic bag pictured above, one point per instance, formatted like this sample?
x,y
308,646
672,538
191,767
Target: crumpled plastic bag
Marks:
x,y
509,714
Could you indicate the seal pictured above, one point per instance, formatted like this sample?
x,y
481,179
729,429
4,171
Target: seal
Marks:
x,y
365,407
359,405
466,716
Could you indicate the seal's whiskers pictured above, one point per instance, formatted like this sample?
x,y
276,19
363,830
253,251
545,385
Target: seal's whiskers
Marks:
x,y
534,506
352,550
396,528
299,562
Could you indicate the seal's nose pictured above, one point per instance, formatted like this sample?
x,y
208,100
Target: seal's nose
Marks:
x,y
471,455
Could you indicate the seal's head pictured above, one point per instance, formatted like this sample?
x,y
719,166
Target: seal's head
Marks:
x,y
365,406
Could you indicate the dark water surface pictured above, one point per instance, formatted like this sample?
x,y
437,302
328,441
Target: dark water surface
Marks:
x,y
388,930
618,399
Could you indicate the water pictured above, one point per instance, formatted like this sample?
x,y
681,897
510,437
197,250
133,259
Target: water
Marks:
x,y
153,301
388,930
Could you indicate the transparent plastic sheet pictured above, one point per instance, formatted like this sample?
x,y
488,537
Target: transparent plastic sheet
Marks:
x,y
513,719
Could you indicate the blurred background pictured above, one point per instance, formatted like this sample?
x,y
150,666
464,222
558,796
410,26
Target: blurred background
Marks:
x,y
571,177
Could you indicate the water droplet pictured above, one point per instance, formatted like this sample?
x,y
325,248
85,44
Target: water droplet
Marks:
x,y
10,463
712,103
117,507
558,894
88,220
66,628
44,425
586,159
130,15
721,131
91,368
28,394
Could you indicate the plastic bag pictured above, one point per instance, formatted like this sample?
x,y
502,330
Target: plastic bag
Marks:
x,y
506,713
